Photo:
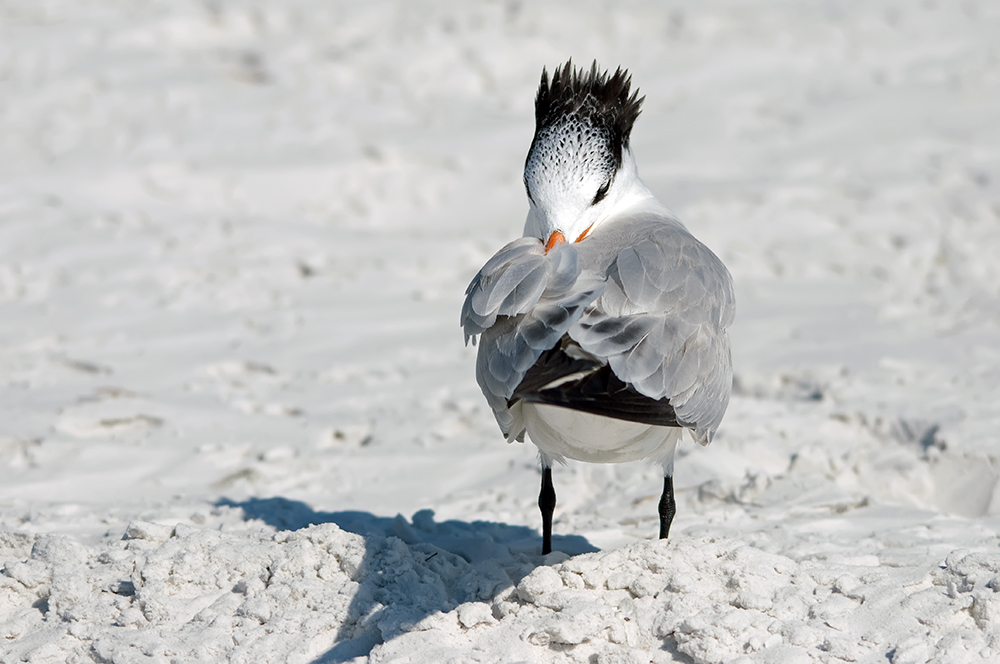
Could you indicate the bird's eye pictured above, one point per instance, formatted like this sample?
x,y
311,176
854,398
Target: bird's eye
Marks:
x,y
602,191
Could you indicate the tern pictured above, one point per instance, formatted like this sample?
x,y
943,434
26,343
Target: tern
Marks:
x,y
603,330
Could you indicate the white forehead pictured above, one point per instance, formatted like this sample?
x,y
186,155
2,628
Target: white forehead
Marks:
x,y
567,154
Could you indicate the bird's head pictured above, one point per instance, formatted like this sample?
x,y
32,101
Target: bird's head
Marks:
x,y
580,168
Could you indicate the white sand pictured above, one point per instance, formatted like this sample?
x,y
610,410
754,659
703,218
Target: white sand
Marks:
x,y
234,238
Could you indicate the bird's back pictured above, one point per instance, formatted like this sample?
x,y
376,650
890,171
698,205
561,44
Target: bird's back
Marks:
x,y
641,304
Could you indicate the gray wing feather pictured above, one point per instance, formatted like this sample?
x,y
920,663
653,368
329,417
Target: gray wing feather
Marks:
x,y
521,303
661,323
510,283
522,283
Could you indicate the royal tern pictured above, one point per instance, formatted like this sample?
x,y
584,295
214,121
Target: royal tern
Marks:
x,y
603,329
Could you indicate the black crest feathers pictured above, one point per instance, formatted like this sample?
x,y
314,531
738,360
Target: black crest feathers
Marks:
x,y
592,96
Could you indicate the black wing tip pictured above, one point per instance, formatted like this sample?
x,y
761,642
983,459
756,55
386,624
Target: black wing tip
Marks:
x,y
597,390
596,94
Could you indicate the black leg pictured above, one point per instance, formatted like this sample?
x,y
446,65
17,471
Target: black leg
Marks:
x,y
667,507
547,504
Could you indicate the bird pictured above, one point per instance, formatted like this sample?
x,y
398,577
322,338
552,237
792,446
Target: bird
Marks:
x,y
602,332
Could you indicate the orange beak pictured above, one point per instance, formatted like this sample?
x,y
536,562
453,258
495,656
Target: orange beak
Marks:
x,y
558,238
584,234
554,239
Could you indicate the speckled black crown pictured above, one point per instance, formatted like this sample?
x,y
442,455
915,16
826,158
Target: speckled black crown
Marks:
x,y
593,98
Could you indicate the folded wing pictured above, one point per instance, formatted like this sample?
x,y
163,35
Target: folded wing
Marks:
x,y
521,303
661,325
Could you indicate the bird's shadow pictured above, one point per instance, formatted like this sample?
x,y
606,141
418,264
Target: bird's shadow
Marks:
x,y
505,553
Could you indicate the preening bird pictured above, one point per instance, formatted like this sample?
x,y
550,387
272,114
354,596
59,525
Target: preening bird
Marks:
x,y
602,331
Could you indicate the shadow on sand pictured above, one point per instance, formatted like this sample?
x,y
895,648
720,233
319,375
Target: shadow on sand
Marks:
x,y
500,555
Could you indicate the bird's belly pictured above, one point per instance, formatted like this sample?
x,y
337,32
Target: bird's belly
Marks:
x,y
565,433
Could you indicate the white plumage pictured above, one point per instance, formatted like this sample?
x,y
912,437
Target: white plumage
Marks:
x,y
603,329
